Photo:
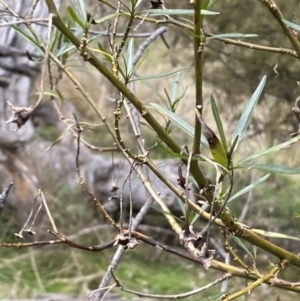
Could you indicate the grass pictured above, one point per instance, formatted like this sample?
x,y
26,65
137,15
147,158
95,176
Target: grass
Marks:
x,y
60,269
65,270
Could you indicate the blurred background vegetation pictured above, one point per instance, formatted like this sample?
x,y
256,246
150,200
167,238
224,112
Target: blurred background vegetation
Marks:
x,y
231,74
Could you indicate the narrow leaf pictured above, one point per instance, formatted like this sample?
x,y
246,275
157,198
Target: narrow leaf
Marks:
x,y
168,151
196,216
212,3
138,3
248,188
241,244
180,205
233,35
130,55
82,9
104,52
275,234
74,16
107,17
27,36
163,12
269,151
218,121
174,88
271,168
160,75
187,128
151,87
292,25
216,148
247,114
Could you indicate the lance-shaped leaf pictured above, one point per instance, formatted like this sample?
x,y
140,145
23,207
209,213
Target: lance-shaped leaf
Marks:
x,y
241,244
233,35
247,114
248,188
218,121
81,6
160,75
178,122
271,168
163,12
216,148
292,25
268,151
275,234
129,58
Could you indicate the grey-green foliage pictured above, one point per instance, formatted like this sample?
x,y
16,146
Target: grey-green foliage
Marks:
x,y
236,70
242,67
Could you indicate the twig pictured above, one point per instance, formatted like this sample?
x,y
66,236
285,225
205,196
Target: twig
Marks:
x,y
20,234
177,296
118,254
48,211
82,183
258,282
275,11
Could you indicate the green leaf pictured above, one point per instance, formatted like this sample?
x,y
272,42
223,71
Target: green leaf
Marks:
x,y
151,87
187,128
248,188
160,75
269,151
104,52
216,148
176,101
55,35
130,55
212,3
125,5
254,249
107,17
247,114
241,244
275,234
196,216
218,121
168,151
141,60
163,12
82,9
180,205
74,16
233,35
68,46
271,168
27,35
292,25
138,2
174,87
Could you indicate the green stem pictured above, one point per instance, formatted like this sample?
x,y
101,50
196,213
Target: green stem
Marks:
x,y
198,51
